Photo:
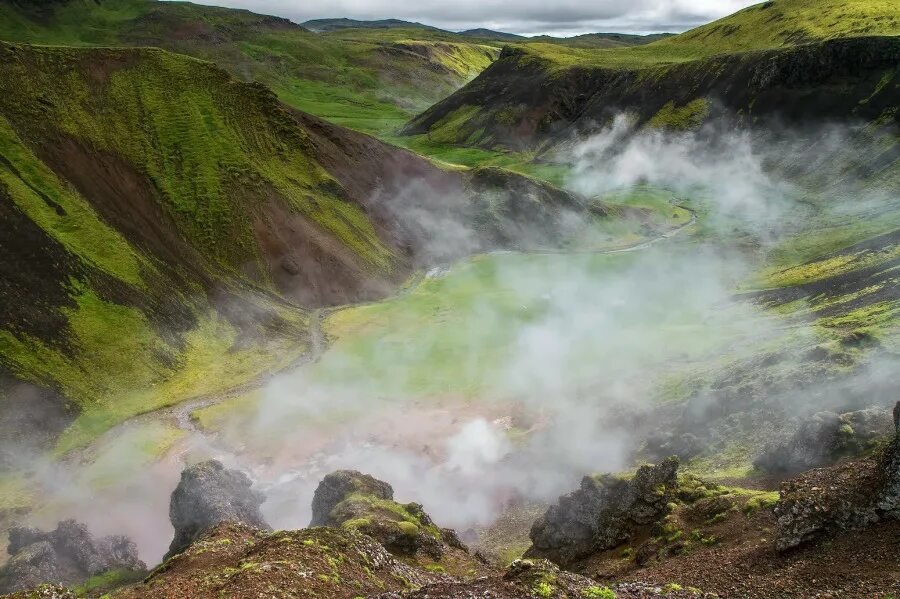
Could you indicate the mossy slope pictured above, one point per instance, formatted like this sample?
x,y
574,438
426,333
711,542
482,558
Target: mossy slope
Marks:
x,y
370,82
162,223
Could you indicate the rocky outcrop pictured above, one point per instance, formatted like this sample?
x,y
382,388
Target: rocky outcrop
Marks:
x,y
888,500
603,513
68,555
209,494
339,485
851,495
824,438
354,501
236,560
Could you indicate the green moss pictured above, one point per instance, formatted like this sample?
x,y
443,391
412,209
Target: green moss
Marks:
x,y
543,589
357,523
107,581
408,528
683,118
597,592
760,501
407,522
453,126
672,587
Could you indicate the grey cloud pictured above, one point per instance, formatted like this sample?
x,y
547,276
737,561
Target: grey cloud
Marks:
x,y
566,17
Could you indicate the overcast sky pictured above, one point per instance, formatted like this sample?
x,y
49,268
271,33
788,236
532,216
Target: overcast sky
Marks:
x,y
527,17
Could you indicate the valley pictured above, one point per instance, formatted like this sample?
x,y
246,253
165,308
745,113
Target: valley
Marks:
x,y
477,266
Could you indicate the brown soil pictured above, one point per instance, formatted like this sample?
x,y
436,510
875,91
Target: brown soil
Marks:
x,y
863,564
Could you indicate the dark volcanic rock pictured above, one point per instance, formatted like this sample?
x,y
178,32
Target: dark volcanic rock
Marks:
x,y
337,486
356,501
209,494
824,438
68,555
603,513
850,495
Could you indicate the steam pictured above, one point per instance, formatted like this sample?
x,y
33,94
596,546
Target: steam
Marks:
x,y
563,360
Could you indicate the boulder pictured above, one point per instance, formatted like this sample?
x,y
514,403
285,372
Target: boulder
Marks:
x,y
603,513
337,486
354,501
824,438
68,555
208,494
848,496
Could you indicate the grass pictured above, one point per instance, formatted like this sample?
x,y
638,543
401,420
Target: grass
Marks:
x,y
117,459
457,156
368,80
759,27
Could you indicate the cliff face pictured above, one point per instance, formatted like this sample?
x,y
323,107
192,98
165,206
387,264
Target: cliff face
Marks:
x,y
524,100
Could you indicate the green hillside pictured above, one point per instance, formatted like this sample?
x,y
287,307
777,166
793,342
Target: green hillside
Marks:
x,y
763,26
786,59
370,84
149,215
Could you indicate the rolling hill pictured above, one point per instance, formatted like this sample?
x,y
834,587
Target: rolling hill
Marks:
x,y
323,25
788,58
370,84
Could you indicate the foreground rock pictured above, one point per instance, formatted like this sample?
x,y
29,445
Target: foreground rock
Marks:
x,y
848,496
826,437
68,555
603,513
236,560
355,501
209,494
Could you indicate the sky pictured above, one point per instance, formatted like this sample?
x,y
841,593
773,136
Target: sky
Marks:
x,y
525,17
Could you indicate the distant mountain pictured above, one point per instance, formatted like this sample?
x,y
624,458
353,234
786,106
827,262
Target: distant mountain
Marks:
x,y
324,25
492,35
602,40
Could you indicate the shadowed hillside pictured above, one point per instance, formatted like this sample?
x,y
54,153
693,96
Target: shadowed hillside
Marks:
x,y
789,59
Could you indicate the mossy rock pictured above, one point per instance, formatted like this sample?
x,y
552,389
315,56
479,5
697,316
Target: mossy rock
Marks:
x,y
354,501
